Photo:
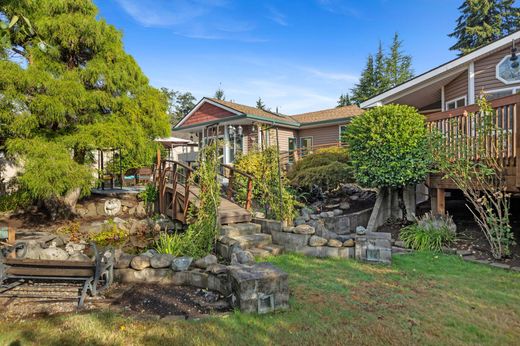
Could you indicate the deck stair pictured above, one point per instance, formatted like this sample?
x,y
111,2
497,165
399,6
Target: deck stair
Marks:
x,y
250,237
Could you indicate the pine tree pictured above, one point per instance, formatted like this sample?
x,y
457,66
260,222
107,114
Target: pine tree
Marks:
x,y
383,72
344,100
77,92
482,22
380,77
260,104
397,65
366,86
179,104
219,94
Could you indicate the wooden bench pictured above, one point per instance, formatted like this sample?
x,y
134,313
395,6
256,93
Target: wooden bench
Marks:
x,y
95,276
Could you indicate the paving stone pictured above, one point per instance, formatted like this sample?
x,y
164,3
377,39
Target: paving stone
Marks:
x,y
253,240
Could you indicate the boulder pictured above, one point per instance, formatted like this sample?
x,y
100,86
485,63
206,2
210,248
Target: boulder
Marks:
x,y
288,229
304,229
33,251
344,206
360,230
54,253
161,261
205,262
73,248
300,221
150,253
140,262
324,214
112,207
334,243
314,217
217,269
337,212
91,210
140,210
317,241
245,257
123,261
78,256
349,243
344,237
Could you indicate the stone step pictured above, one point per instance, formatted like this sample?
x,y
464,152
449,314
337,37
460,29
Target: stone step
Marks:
x,y
253,240
273,249
240,229
260,253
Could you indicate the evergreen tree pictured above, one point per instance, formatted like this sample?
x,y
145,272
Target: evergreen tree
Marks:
x,y
482,22
383,72
219,94
380,77
398,65
261,105
77,92
344,100
179,104
365,88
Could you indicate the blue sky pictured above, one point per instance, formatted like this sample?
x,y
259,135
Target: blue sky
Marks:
x,y
297,55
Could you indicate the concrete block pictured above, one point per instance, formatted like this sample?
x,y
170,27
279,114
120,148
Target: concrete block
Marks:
x,y
268,226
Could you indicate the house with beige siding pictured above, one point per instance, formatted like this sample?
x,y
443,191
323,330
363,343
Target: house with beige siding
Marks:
x,y
447,93
243,128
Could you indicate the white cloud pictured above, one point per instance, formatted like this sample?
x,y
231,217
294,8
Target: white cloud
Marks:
x,y
276,16
331,75
202,19
339,7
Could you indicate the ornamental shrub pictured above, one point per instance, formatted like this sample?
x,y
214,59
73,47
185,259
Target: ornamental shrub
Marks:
x,y
388,147
430,233
326,169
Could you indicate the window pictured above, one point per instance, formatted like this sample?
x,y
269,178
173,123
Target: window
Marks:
x,y
507,72
305,145
498,93
456,103
342,130
292,148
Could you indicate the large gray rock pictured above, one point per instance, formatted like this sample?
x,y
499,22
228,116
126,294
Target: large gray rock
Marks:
x,y
245,257
73,248
140,262
78,256
304,229
54,253
33,251
317,241
217,269
337,212
290,241
112,207
161,261
344,206
205,262
349,243
123,261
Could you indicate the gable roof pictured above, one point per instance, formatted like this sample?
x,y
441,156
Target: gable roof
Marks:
x,y
338,113
451,67
248,110
295,121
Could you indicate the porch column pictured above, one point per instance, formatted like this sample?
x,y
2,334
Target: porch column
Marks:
x,y
471,83
226,144
438,201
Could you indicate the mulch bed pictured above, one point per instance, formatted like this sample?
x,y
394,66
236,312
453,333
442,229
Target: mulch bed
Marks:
x,y
147,301
171,300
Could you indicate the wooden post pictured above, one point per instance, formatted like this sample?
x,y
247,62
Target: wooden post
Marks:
x,y
517,143
249,193
229,190
440,208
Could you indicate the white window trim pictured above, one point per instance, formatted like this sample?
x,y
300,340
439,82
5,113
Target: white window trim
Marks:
x,y
465,98
514,90
497,74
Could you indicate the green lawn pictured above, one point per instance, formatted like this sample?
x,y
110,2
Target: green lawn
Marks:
x,y
421,299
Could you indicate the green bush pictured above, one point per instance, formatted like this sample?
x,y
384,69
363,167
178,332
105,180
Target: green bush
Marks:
x,y
15,200
326,168
431,232
388,147
110,235
171,244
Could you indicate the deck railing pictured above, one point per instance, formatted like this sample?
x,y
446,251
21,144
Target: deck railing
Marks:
x,y
461,132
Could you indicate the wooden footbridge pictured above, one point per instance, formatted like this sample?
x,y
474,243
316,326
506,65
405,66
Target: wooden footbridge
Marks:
x,y
178,192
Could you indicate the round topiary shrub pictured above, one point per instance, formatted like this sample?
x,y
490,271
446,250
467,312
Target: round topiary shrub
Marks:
x,y
388,147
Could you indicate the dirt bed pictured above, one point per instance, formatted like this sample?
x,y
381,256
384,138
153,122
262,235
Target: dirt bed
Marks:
x,y
141,301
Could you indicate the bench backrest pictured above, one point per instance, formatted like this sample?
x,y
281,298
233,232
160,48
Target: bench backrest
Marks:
x,y
49,268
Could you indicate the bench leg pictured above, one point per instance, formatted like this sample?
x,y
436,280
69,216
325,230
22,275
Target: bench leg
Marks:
x,y
86,286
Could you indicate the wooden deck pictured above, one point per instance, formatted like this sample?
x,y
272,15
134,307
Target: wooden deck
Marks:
x,y
228,211
456,122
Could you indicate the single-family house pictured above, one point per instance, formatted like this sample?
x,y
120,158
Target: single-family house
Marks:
x,y
447,93
243,128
